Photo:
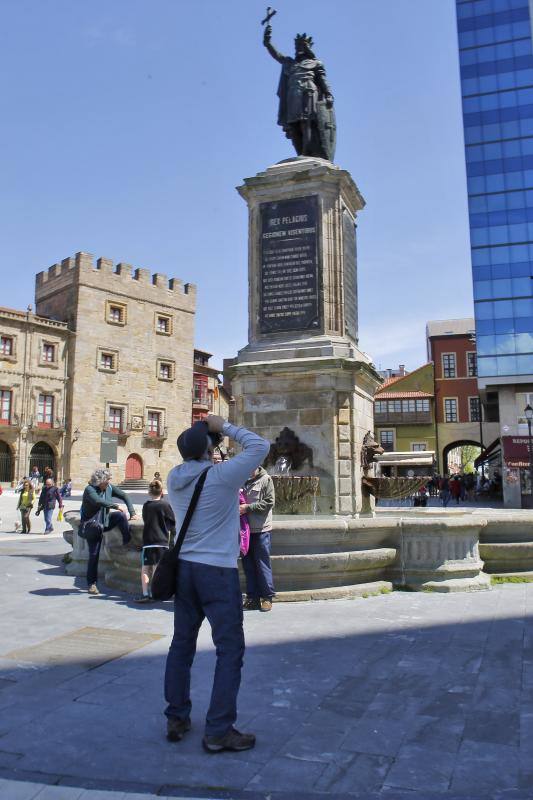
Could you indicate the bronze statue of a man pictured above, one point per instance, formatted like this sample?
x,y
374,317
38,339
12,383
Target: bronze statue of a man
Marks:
x,y
306,111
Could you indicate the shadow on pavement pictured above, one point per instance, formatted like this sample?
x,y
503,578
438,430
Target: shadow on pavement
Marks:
x,y
408,705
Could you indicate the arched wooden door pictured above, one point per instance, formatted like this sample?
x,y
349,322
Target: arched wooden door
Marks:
x,y
134,467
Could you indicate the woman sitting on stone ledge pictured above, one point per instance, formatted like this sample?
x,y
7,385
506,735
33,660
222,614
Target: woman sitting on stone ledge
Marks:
x,y
98,496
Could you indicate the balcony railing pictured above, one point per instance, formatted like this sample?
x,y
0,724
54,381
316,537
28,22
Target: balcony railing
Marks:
x,y
124,430
160,434
203,399
403,417
57,425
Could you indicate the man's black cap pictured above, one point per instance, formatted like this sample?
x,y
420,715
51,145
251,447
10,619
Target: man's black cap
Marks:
x,y
193,442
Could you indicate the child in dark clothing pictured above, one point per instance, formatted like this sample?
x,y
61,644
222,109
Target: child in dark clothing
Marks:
x,y
159,529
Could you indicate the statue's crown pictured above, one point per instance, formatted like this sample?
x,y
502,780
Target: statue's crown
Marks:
x,y
303,38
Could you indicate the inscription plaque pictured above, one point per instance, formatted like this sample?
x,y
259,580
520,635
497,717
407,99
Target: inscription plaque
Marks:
x,y
350,276
289,292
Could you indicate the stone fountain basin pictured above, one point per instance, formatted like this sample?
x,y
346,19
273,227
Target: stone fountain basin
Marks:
x,y
333,556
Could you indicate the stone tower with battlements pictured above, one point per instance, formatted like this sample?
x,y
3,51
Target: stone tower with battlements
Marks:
x,y
129,363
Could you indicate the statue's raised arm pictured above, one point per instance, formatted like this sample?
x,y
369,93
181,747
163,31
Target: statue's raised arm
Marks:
x,y
267,41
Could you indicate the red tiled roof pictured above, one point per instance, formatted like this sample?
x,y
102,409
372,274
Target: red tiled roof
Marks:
x,y
398,395
392,380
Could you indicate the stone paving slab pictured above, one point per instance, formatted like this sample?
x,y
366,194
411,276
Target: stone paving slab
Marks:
x,y
398,696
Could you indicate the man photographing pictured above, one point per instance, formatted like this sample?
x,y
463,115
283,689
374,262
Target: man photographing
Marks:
x,y
208,584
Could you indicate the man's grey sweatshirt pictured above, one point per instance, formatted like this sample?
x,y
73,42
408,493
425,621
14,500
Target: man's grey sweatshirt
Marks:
x,y
213,534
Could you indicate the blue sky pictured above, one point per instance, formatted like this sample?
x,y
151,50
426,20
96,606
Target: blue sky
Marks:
x,y
127,125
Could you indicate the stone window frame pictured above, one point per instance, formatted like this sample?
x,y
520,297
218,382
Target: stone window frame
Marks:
x,y
13,355
124,407
58,410
418,447
47,342
109,304
162,416
9,391
170,319
449,377
48,393
171,364
450,421
108,351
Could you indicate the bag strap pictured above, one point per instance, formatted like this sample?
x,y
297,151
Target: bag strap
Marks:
x,y
190,511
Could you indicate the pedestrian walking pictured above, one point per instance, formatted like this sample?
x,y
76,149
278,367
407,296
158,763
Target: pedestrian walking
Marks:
x,y
455,488
98,501
47,502
35,478
445,491
259,502
25,505
208,579
159,528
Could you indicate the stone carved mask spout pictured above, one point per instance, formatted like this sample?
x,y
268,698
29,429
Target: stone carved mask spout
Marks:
x,y
289,447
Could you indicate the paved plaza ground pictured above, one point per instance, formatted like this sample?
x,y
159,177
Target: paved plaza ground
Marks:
x,y
404,695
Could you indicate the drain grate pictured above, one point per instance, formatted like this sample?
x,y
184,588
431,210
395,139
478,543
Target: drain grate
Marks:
x,y
88,646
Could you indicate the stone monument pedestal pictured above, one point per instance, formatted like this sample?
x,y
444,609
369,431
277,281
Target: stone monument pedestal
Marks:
x,y
302,368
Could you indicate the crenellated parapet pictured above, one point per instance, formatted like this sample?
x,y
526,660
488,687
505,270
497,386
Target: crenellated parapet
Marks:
x,y
120,278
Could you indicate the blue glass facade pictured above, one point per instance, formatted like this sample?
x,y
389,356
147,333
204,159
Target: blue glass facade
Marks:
x,y
496,61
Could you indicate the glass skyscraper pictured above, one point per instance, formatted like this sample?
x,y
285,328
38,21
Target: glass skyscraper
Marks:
x,y
496,62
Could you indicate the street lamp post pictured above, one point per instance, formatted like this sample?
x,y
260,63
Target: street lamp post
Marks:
x,y
528,413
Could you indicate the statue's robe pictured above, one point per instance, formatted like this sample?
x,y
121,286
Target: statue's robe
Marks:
x,y
302,94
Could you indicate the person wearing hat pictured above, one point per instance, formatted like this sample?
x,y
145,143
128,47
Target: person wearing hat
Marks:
x,y
208,584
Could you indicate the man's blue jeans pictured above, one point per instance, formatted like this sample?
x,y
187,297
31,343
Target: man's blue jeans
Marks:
x,y
212,592
257,567
116,520
48,519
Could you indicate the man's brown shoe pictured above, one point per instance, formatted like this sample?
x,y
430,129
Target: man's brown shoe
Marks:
x,y
266,604
232,740
93,589
177,728
251,604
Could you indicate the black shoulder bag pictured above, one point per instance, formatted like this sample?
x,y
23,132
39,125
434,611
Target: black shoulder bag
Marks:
x,y
92,528
165,577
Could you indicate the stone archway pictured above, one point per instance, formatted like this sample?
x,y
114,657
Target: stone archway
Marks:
x,y
454,446
134,467
41,456
6,463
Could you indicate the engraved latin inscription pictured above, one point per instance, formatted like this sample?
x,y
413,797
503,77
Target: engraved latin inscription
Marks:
x,y
289,265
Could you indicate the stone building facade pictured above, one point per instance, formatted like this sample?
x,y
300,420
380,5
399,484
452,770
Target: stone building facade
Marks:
x,y
123,349
33,391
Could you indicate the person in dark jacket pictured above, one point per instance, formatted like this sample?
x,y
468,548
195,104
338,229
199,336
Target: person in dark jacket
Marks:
x,y
99,496
159,529
445,492
47,502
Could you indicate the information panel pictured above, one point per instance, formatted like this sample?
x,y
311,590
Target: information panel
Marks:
x,y
289,298
350,276
108,447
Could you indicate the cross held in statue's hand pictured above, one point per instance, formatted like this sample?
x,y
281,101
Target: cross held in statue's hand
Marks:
x,y
270,13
